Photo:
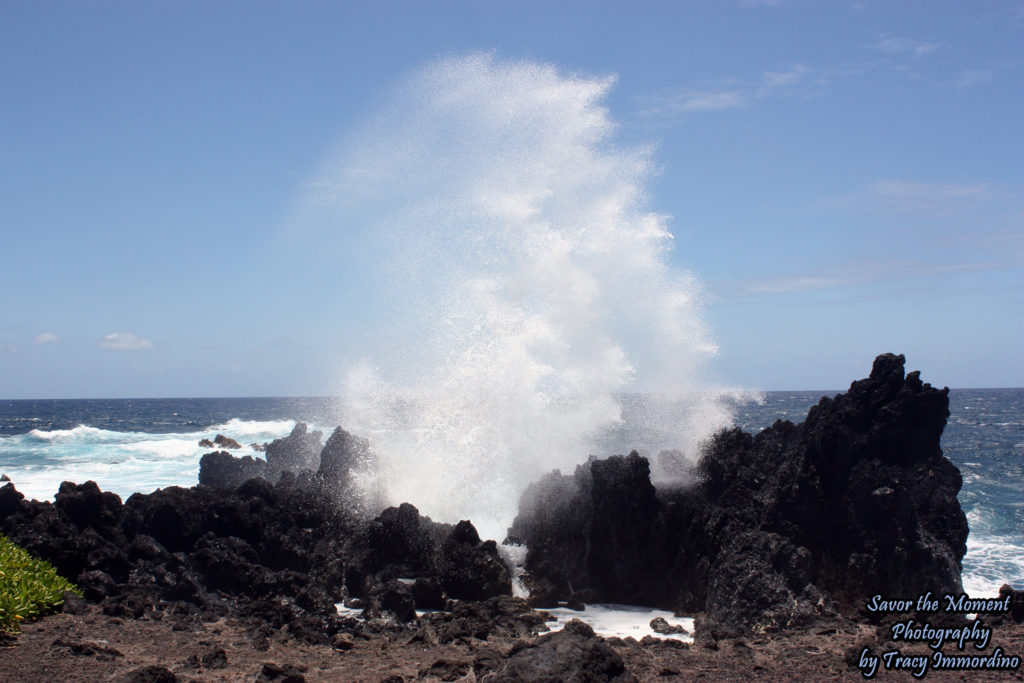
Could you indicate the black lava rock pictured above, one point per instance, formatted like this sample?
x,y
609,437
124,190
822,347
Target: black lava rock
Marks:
x,y
296,452
572,654
223,470
796,523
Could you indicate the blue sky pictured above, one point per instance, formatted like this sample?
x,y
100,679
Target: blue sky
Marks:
x,y
845,179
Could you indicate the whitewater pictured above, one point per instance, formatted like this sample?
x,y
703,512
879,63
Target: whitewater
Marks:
x,y
529,310
41,446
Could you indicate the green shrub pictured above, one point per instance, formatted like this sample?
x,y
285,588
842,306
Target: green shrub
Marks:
x,y
29,587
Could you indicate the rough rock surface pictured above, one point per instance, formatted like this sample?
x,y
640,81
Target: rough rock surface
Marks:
x,y
225,442
344,459
225,471
573,654
298,451
281,554
93,646
779,529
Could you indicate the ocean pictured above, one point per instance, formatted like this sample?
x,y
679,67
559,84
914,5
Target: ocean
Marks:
x,y
138,445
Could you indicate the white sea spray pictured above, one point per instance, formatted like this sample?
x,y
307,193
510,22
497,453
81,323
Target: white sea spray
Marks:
x,y
527,283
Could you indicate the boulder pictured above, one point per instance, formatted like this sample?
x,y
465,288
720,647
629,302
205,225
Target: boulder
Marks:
x,y
471,569
437,558
225,442
397,543
149,674
396,597
659,625
572,654
503,615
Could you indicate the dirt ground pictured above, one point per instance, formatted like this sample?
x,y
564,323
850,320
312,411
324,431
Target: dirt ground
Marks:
x,y
94,647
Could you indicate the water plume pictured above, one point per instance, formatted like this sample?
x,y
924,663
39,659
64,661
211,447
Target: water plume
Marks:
x,y
521,283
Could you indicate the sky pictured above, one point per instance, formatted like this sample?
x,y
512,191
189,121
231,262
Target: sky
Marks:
x,y
844,179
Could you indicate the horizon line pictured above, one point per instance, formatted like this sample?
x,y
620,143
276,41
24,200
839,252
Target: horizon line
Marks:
x,y
339,397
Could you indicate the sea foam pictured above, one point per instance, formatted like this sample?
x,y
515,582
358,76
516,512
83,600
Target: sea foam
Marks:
x,y
122,462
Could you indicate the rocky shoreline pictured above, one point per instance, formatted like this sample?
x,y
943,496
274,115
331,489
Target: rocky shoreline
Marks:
x,y
84,644
776,542
771,531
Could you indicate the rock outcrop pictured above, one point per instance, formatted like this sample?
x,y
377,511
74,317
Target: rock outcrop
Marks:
x,y
220,441
294,453
775,531
343,461
224,471
780,528
343,468
298,452
225,442
284,553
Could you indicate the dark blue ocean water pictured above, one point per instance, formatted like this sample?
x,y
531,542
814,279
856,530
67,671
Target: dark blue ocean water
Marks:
x,y
130,445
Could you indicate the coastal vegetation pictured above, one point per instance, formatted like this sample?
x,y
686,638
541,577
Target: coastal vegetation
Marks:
x,y
29,587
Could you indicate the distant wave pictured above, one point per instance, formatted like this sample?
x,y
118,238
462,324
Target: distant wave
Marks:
x,y
123,462
235,428
253,427
78,433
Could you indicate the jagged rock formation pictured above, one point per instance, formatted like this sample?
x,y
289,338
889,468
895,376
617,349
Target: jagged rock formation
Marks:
x,y
777,529
782,527
280,552
344,459
223,470
296,529
294,453
336,468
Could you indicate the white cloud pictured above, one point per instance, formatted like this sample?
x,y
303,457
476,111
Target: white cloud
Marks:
x,y
46,338
672,103
797,80
125,341
798,283
973,77
729,94
914,197
915,48
902,195
856,275
784,79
